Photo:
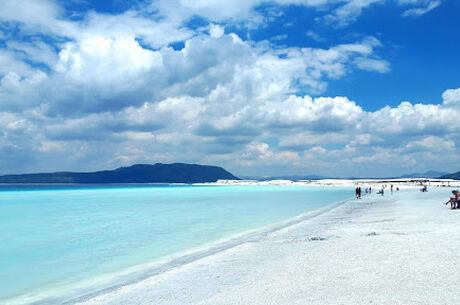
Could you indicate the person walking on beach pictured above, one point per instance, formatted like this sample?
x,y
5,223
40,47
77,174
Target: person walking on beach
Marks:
x,y
359,192
356,192
391,187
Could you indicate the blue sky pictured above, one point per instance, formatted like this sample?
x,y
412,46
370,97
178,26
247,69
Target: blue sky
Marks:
x,y
329,87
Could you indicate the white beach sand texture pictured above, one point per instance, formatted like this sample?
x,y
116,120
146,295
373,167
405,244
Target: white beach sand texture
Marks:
x,y
396,249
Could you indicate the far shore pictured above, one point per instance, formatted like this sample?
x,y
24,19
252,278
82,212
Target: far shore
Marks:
x,y
374,183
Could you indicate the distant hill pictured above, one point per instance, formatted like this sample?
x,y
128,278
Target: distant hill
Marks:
x,y
455,176
428,174
139,173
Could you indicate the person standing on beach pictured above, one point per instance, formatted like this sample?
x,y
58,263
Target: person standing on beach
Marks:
x,y
359,192
391,187
356,192
454,201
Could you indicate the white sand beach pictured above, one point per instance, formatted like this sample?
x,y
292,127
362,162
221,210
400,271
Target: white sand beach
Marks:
x,y
374,183
401,248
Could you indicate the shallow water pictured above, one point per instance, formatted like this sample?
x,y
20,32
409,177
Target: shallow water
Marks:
x,y
61,236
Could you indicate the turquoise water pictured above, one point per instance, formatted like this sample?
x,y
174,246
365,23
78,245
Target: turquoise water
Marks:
x,y
60,236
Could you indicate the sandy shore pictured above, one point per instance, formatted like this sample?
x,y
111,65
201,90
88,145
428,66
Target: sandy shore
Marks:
x,y
374,183
396,249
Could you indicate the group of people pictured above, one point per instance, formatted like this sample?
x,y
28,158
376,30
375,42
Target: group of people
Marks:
x,y
382,190
454,201
367,190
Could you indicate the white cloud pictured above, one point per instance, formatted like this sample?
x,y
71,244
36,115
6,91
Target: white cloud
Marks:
x,y
305,127
113,93
110,73
424,6
156,31
365,139
10,64
37,12
35,51
37,16
259,152
451,98
321,114
372,64
303,140
279,37
216,31
349,12
313,35
433,144
216,10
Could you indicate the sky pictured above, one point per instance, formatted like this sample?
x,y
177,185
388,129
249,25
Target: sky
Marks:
x,y
363,88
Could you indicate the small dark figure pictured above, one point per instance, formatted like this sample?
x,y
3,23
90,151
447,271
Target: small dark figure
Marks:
x,y
359,192
454,201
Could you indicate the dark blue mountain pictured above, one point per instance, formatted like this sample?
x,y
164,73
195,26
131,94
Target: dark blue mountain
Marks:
x,y
455,176
428,174
139,173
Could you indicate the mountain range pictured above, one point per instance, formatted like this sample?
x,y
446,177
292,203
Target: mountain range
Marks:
x,y
455,176
174,173
427,174
138,173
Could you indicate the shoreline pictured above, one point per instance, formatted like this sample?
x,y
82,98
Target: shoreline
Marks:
x,y
374,243
184,258
112,281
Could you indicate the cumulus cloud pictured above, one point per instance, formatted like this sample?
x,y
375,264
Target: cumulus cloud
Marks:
x,y
432,143
451,98
108,90
113,73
